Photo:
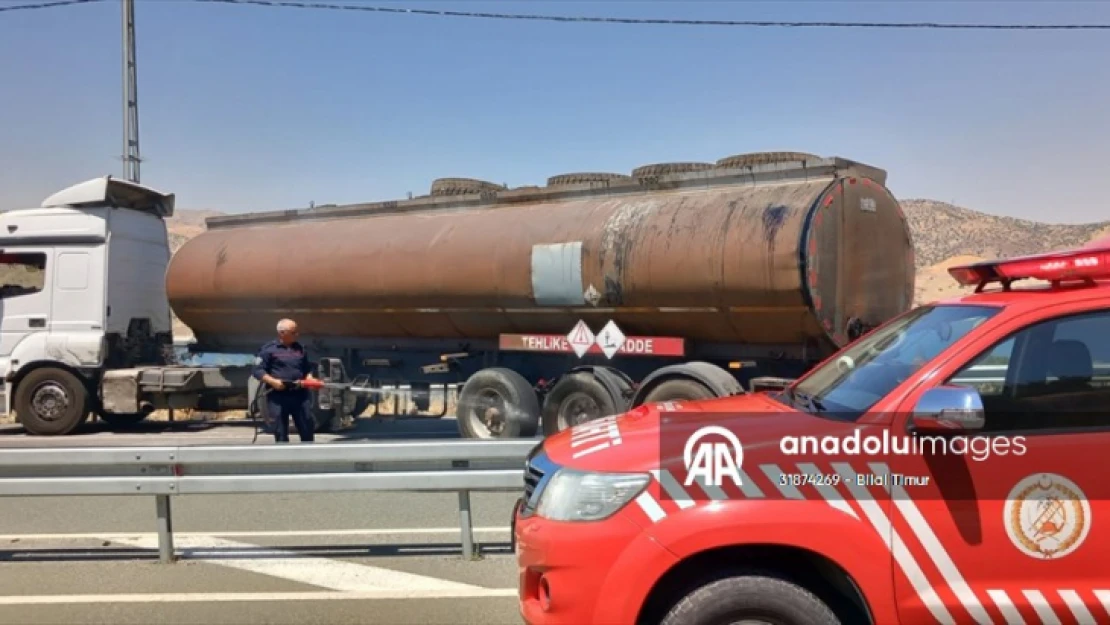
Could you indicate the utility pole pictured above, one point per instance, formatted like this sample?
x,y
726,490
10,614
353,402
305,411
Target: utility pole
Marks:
x,y
130,96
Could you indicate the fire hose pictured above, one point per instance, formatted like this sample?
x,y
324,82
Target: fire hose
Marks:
x,y
308,384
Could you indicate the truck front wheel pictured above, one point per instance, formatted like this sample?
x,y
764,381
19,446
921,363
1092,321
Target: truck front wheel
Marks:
x,y
51,402
750,599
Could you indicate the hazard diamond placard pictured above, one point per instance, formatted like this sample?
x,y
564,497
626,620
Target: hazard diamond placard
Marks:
x,y
610,339
581,338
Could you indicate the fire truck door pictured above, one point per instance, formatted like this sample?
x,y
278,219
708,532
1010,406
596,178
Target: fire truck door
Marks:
x,y
1014,525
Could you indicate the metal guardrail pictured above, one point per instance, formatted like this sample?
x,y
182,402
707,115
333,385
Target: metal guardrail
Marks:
x,y
165,472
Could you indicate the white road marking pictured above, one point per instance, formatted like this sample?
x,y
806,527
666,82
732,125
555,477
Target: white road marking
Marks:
x,y
473,593
252,534
327,574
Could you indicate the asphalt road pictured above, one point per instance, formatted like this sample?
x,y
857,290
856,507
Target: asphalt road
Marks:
x,y
385,558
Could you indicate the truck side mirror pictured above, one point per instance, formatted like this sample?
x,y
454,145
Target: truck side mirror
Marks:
x,y
949,409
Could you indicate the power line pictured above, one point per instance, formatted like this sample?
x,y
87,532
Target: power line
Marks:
x,y
321,6
46,5
657,21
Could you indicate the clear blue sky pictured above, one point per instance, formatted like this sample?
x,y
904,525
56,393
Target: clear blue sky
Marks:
x,y
248,108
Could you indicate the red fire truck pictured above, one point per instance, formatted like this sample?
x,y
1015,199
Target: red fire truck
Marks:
x,y
943,468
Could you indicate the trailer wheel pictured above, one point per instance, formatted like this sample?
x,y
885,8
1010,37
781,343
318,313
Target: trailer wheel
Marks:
x,y
51,402
575,399
680,389
750,599
498,403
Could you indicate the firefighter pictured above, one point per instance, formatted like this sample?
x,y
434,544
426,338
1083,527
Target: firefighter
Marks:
x,y
281,364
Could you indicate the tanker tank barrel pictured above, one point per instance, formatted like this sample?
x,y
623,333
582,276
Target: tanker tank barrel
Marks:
x,y
779,248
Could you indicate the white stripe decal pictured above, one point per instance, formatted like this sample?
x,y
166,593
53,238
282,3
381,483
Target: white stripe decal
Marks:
x,y
747,485
894,542
714,492
1075,604
1002,600
920,528
1104,599
675,490
650,507
1040,604
831,494
774,473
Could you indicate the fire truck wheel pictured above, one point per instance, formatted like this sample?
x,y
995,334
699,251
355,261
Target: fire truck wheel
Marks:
x,y
575,399
497,403
51,402
751,599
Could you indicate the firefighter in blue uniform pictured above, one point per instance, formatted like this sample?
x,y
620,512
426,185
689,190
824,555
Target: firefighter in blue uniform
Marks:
x,y
280,365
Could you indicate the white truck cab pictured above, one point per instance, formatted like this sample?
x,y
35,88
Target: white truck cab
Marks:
x,y
82,291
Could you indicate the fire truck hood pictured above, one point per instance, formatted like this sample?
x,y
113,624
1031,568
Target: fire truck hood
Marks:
x,y
637,440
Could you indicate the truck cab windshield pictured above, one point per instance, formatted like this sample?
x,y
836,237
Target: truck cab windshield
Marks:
x,y
847,386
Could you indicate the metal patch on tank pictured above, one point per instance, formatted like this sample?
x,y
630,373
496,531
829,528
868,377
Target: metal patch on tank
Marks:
x,y
557,274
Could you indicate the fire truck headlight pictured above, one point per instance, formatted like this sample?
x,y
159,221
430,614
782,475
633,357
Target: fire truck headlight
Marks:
x,y
579,496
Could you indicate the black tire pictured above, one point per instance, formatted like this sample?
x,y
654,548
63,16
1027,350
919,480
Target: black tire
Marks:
x,y
576,398
737,161
122,420
462,186
37,399
506,398
750,597
584,178
679,389
663,169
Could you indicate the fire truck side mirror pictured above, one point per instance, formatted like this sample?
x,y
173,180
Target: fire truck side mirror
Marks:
x,y
949,409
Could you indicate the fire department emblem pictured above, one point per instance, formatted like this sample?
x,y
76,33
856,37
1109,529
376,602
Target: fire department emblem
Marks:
x,y
1047,516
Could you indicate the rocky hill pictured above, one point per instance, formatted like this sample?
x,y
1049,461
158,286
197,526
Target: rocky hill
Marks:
x,y
946,235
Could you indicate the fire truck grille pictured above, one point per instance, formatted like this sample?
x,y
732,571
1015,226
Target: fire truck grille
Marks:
x,y
532,477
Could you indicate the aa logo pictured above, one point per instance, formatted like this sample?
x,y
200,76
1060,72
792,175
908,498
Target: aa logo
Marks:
x,y
712,460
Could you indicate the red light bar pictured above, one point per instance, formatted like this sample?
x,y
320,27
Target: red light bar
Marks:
x,y
1087,264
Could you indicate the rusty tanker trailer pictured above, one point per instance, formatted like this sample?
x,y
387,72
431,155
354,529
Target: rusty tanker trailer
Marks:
x,y
558,304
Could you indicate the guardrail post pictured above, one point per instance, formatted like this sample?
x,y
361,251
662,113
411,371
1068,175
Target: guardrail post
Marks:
x,y
464,524
165,529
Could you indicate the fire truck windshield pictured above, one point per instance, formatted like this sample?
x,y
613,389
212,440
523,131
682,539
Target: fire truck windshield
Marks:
x,y
848,385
